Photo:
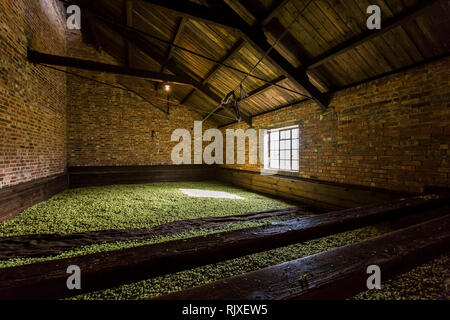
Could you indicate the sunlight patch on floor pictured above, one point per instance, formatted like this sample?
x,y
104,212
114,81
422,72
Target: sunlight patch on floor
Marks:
x,y
209,194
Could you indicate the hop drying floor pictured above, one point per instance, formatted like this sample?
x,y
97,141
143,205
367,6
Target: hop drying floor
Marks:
x,y
132,206
148,205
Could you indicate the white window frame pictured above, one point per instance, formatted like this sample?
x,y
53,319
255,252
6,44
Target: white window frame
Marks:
x,y
293,161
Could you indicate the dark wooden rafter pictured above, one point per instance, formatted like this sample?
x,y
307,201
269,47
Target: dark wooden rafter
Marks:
x,y
365,81
230,54
221,14
273,11
266,19
43,58
176,37
128,21
140,42
387,26
311,63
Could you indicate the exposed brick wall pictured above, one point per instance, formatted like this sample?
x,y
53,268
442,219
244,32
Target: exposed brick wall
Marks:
x,y
112,127
32,98
391,133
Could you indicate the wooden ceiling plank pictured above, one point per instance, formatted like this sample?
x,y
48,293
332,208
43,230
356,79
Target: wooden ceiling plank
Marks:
x,y
142,44
223,15
389,25
264,88
231,53
274,10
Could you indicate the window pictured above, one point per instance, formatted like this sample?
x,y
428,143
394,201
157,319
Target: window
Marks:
x,y
281,150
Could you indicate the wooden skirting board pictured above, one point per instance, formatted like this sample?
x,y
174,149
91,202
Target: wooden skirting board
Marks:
x,y
47,280
335,274
15,199
99,176
327,195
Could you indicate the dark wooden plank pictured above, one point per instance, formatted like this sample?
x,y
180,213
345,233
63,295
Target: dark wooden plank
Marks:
x,y
47,280
41,245
128,21
140,42
335,274
100,176
39,57
316,192
274,10
15,199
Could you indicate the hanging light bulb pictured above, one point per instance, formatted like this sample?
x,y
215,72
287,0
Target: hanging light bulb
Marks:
x,y
166,87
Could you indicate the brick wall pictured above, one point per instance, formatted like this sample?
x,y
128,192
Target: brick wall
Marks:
x,y
32,98
112,127
391,133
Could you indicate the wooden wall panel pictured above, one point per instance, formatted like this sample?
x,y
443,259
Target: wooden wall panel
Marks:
x,y
98,176
320,194
16,199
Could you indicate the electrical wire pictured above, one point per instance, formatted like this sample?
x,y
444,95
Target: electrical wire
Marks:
x,y
248,74
124,89
286,30
129,28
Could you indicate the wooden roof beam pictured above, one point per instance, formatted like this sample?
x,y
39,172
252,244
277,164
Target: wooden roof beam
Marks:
x,y
43,58
176,38
222,14
142,44
387,26
128,21
191,10
273,11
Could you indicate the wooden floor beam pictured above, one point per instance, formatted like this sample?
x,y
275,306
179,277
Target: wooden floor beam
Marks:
x,y
47,280
335,274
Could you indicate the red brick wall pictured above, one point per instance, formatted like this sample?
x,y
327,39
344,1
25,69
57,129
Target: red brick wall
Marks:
x,y
32,98
391,133
113,127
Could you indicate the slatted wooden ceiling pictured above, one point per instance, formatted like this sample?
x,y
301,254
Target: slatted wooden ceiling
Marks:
x,y
323,26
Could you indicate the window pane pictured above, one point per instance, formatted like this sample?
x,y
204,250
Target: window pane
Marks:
x,y
274,145
286,155
274,164
274,135
275,154
284,149
288,134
